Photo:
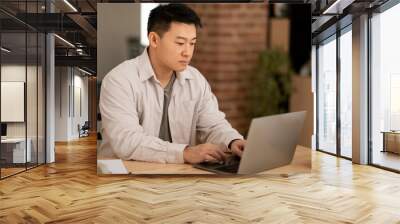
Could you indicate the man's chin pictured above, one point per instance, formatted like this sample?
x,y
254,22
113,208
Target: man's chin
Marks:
x,y
181,68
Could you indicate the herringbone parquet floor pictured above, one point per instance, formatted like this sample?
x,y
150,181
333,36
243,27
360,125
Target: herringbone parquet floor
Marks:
x,y
69,191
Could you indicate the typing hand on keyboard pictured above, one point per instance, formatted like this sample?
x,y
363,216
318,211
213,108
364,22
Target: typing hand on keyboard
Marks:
x,y
232,159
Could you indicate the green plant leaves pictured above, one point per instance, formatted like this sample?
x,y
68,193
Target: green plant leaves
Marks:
x,y
271,84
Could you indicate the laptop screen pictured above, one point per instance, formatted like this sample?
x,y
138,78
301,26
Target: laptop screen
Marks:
x,y
3,129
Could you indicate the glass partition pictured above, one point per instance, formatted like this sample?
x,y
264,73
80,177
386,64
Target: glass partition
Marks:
x,y
327,95
41,91
385,89
22,88
14,152
346,95
31,99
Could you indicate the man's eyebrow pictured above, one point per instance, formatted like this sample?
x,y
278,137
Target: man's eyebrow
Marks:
x,y
184,38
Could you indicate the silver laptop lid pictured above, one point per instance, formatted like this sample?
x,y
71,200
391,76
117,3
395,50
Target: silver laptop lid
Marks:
x,y
271,142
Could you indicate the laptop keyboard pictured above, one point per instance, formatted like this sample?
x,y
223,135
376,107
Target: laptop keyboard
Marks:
x,y
231,165
229,169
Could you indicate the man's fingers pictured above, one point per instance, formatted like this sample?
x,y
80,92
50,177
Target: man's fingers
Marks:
x,y
220,150
237,150
240,144
215,154
222,154
209,158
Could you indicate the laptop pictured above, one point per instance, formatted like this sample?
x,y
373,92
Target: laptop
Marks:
x,y
3,131
271,143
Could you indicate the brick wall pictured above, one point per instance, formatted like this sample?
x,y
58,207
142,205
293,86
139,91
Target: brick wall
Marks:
x,y
226,52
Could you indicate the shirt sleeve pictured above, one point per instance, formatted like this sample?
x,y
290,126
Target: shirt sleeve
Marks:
x,y
211,125
122,130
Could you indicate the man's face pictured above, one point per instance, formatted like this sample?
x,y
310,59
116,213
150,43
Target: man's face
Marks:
x,y
177,45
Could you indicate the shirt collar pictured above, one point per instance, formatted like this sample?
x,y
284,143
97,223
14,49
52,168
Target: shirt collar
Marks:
x,y
146,70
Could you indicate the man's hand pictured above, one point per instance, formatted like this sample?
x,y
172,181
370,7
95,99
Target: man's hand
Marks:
x,y
237,146
204,153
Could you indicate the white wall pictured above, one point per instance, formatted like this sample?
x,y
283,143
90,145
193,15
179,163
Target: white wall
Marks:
x,y
17,73
62,82
79,117
14,73
34,125
69,82
113,31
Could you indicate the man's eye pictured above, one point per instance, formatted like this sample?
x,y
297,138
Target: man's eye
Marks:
x,y
180,44
192,44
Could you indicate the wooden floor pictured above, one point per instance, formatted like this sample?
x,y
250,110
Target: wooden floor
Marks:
x,y
69,191
387,159
5,172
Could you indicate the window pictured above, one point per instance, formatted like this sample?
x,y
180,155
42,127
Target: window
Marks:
x,y
327,95
345,42
333,137
385,89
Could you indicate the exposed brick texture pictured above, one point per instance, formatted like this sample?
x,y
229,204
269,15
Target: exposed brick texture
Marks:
x,y
227,50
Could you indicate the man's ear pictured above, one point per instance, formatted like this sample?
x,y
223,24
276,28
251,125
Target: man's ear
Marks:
x,y
154,39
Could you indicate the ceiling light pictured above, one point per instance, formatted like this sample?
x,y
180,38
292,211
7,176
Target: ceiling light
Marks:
x,y
338,6
5,50
70,5
86,72
65,41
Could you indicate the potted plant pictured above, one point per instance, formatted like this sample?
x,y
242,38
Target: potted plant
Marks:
x,y
271,84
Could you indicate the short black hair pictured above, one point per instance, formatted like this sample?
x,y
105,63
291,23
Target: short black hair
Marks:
x,y
162,16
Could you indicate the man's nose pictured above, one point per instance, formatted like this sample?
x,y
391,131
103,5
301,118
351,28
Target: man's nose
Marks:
x,y
186,51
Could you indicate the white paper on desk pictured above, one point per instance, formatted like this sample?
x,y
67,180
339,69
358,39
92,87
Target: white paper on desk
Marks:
x,y
111,166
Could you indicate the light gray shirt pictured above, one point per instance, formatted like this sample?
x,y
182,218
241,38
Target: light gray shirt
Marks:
x,y
131,105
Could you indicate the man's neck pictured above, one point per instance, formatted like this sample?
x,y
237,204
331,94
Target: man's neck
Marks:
x,y
162,73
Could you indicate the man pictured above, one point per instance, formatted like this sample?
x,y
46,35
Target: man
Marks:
x,y
156,107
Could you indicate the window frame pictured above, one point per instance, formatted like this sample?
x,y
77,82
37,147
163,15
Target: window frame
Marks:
x,y
338,33
378,10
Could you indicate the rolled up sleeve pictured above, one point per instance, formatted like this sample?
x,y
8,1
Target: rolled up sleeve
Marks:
x,y
122,130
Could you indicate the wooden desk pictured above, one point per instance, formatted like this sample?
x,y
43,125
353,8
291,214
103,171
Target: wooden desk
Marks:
x,y
301,163
391,141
